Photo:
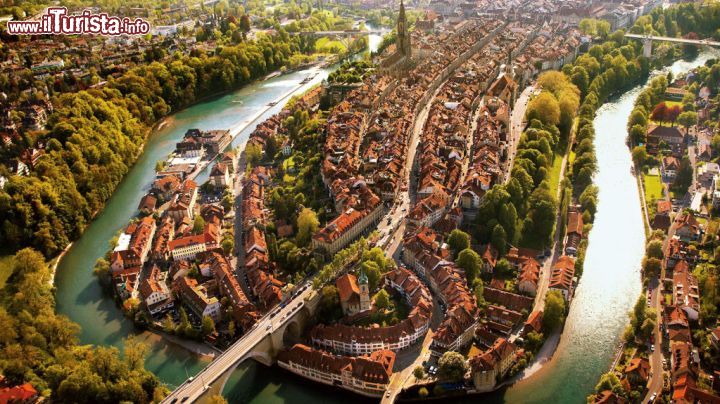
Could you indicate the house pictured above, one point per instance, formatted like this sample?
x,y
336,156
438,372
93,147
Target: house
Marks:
x,y
354,293
21,394
347,227
365,375
670,166
489,255
662,215
155,293
667,135
562,275
573,232
686,293
687,227
528,276
147,204
220,175
183,203
637,371
533,322
492,365
197,299
133,245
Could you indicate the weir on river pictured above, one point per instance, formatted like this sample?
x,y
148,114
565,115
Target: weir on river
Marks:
x,y
608,288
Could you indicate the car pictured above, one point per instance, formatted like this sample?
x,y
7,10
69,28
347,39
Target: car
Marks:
x,y
652,347
268,328
387,393
652,398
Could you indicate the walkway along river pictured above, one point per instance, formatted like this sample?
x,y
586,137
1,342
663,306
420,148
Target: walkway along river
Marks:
x,y
610,283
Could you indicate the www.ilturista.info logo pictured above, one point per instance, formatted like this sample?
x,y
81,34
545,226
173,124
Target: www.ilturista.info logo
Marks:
x,y
56,21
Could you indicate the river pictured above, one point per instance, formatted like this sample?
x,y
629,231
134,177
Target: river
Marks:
x,y
610,283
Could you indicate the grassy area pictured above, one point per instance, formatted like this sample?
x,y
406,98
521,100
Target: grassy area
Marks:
x,y
326,45
653,187
554,177
6,265
571,157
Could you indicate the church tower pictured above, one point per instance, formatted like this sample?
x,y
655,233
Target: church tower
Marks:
x,y
364,291
403,37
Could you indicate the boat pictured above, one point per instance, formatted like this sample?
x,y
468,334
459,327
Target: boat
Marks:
x,y
272,103
271,75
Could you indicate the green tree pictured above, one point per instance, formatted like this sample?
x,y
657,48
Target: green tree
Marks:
x,y
372,270
639,155
423,392
419,372
382,299
609,381
452,366
307,224
217,399
227,245
253,153
499,239
687,119
544,108
458,241
198,224
471,263
208,325
554,310
654,249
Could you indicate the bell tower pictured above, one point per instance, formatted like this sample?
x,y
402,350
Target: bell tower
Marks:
x,y
403,37
364,291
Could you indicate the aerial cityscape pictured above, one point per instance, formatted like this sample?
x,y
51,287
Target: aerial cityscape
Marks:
x,y
265,201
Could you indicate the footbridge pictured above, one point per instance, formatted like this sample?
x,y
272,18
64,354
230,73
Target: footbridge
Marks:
x,y
283,325
648,40
347,32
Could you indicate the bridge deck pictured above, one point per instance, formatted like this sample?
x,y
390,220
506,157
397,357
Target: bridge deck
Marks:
x,y
675,40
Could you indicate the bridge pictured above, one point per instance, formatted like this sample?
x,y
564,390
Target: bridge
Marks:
x,y
648,39
347,32
261,343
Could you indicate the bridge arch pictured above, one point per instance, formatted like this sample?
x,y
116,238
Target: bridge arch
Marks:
x,y
292,332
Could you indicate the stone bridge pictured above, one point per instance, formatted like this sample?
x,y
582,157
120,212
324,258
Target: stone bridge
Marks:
x,y
275,331
648,40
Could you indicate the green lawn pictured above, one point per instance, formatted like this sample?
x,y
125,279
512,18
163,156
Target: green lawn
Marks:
x,y
554,177
6,265
326,45
653,187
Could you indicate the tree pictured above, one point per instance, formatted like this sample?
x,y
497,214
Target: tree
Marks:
x,y
423,392
544,108
245,23
688,119
198,224
637,317
382,299
554,310
217,399
651,266
499,239
419,372
307,224
458,241
654,249
253,153
684,176
227,245
660,112
470,262
208,325
372,270
452,366
329,301
639,155
135,352
478,289
609,381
